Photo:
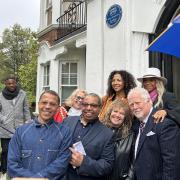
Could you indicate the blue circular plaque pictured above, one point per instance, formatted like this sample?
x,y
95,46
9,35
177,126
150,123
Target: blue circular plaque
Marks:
x,y
113,15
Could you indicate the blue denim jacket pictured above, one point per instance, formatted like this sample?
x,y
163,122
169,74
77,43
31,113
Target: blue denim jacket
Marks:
x,y
38,150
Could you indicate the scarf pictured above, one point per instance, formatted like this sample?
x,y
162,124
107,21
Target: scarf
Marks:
x,y
9,95
153,94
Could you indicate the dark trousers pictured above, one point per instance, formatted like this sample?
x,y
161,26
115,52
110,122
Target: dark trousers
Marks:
x,y
4,153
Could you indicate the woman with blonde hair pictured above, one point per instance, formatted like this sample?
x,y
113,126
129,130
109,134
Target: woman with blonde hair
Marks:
x,y
74,102
164,101
72,105
119,118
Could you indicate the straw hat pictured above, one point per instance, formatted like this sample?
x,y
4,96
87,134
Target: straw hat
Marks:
x,y
153,73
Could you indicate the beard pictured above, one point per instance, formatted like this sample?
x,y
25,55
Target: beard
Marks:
x,y
138,114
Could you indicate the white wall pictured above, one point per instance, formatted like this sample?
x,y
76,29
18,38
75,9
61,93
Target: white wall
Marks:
x,y
54,55
107,49
146,14
121,47
56,8
95,51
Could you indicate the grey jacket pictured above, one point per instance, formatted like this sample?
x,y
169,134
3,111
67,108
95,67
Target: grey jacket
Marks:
x,y
13,113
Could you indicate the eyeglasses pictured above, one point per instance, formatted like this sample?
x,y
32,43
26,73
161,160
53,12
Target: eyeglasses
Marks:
x,y
91,105
79,98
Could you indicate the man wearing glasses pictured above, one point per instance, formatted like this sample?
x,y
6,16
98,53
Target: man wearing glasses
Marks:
x,y
92,150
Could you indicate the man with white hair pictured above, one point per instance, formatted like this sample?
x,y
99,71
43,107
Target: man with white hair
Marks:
x,y
157,144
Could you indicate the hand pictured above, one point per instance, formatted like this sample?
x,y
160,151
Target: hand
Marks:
x,y
76,158
159,116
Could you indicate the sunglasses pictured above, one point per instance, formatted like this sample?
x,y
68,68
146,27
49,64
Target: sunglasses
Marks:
x,y
91,105
79,98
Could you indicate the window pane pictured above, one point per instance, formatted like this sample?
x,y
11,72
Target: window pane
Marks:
x,y
73,81
66,91
73,68
46,75
65,68
44,81
49,16
65,79
47,70
47,83
68,79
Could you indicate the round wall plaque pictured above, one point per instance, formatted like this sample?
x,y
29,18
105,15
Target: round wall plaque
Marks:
x,y
113,15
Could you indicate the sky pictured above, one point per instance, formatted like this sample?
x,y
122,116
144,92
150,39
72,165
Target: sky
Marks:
x,y
24,12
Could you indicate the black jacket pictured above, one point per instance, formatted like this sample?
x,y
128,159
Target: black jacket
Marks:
x,y
123,158
171,106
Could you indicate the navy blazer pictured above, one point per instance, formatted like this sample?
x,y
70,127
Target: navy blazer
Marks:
x,y
172,107
158,151
99,149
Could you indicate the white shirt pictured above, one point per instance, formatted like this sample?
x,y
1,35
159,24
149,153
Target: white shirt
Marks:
x,y
137,139
74,112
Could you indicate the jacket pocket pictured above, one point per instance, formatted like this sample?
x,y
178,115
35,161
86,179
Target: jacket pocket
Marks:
x,y
52,155
26,158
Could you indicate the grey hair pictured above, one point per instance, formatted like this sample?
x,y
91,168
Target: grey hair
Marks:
x,y
96,96
143,92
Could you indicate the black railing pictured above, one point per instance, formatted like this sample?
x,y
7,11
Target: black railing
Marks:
x,y
73,19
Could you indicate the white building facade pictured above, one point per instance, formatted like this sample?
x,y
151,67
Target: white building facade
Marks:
x,y
80,49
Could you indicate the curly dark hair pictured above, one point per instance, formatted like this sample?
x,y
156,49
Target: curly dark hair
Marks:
x,y
128,78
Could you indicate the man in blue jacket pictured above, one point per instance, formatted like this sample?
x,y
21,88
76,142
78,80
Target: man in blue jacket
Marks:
x,y
93,150
41,148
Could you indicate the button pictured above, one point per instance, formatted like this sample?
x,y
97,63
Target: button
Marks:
x,y
38,158
79,136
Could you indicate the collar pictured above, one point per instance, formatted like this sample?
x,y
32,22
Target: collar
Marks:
x,y
86,123
39,124
146,118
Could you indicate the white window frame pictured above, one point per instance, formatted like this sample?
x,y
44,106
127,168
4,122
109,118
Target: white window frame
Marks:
x,y
48,4
48,12
60,77
46,76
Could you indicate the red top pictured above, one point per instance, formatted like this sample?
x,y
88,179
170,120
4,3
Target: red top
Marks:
x,y
60,115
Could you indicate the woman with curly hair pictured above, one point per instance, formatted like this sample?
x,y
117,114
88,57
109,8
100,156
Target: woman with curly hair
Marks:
x,y
119,84
119,119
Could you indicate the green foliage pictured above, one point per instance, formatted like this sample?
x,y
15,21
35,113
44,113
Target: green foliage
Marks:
x,y
18,56
18,43
27,76
1,86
